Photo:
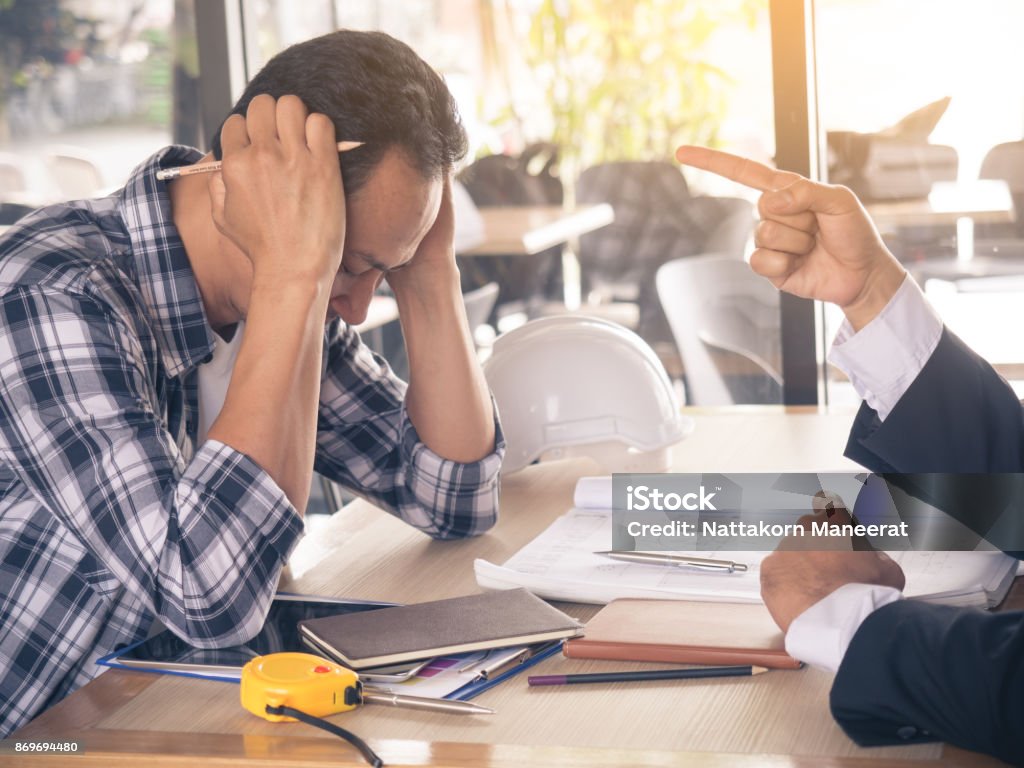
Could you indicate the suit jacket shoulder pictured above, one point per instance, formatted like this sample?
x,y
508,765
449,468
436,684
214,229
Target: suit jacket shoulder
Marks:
x,y
958,415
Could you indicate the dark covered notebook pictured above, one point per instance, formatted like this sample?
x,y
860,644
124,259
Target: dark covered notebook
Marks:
x,y
456,625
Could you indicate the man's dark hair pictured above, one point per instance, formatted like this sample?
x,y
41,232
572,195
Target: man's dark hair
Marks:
x,y
374,89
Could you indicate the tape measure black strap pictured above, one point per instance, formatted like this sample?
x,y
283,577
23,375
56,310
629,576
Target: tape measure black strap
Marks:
x,y
371,757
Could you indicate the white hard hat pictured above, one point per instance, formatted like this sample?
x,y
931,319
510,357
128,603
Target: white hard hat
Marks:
x,y
573,385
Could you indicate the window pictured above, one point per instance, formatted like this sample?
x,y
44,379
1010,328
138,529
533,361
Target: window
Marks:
x,y
89,89
929,128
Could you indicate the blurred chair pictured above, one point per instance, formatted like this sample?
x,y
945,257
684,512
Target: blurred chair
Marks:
x,y
11,212
479,306
1006,162
528,179
326,496
656,220
12,178
469,224
998,263
75,175
725,321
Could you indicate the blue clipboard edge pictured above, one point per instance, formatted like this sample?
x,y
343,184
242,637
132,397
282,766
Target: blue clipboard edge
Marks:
x,y
110,660
475,688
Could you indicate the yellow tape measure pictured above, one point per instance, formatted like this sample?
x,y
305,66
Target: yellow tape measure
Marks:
x,y
301,680
280,685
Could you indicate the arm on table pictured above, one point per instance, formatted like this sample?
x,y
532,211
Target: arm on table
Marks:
x,y
367,442
81,426
429,452
920,672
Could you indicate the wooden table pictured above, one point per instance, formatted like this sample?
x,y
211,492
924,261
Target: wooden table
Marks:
x,y
531,229
950,204
983,296
779,719
987,202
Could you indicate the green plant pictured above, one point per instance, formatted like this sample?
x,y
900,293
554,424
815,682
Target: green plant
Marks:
x,y
629,79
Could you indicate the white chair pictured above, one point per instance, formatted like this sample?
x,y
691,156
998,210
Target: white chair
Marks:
x,y
479,305
998,263
1006,162
77,177
657,219
12,177
722,314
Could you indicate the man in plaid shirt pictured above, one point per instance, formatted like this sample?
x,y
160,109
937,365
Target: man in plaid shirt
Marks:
x,y
135,483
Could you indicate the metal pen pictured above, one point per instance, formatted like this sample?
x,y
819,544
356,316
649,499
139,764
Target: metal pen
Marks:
x,y
683,561
504,664
372,696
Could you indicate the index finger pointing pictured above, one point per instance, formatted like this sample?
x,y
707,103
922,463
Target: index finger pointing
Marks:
x,y
748,172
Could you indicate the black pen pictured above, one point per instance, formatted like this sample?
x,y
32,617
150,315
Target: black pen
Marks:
x,y
653,674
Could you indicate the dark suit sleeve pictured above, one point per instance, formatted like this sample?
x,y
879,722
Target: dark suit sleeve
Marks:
x,y
918,672
957,416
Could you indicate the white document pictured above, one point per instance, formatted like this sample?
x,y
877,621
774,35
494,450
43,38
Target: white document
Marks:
x,y
560,564
447,674
593,493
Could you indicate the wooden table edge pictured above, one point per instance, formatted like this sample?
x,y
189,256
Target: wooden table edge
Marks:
x,y
75,718
313,749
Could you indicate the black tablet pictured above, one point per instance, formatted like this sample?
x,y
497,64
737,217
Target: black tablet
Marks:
x,y
169,654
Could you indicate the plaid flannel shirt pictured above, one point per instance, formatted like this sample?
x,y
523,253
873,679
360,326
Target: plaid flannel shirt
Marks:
x,y
110,515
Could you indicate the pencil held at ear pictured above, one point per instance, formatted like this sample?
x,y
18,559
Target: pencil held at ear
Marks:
x,y
168,174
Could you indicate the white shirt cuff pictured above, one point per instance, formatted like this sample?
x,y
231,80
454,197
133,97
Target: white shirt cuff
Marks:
x,y
820,635
885,356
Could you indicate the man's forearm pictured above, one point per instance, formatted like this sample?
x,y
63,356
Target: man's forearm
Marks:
x,y
270,411
448,400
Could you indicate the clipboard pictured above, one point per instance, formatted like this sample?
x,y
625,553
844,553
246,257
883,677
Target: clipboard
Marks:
x,y
475,688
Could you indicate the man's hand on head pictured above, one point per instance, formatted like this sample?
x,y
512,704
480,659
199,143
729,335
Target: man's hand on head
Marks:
x,y
447,401
814,240
806,569
435,256
279,195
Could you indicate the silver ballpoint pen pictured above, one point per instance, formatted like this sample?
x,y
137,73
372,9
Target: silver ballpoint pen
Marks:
x,y
504,664
663,558
372,696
